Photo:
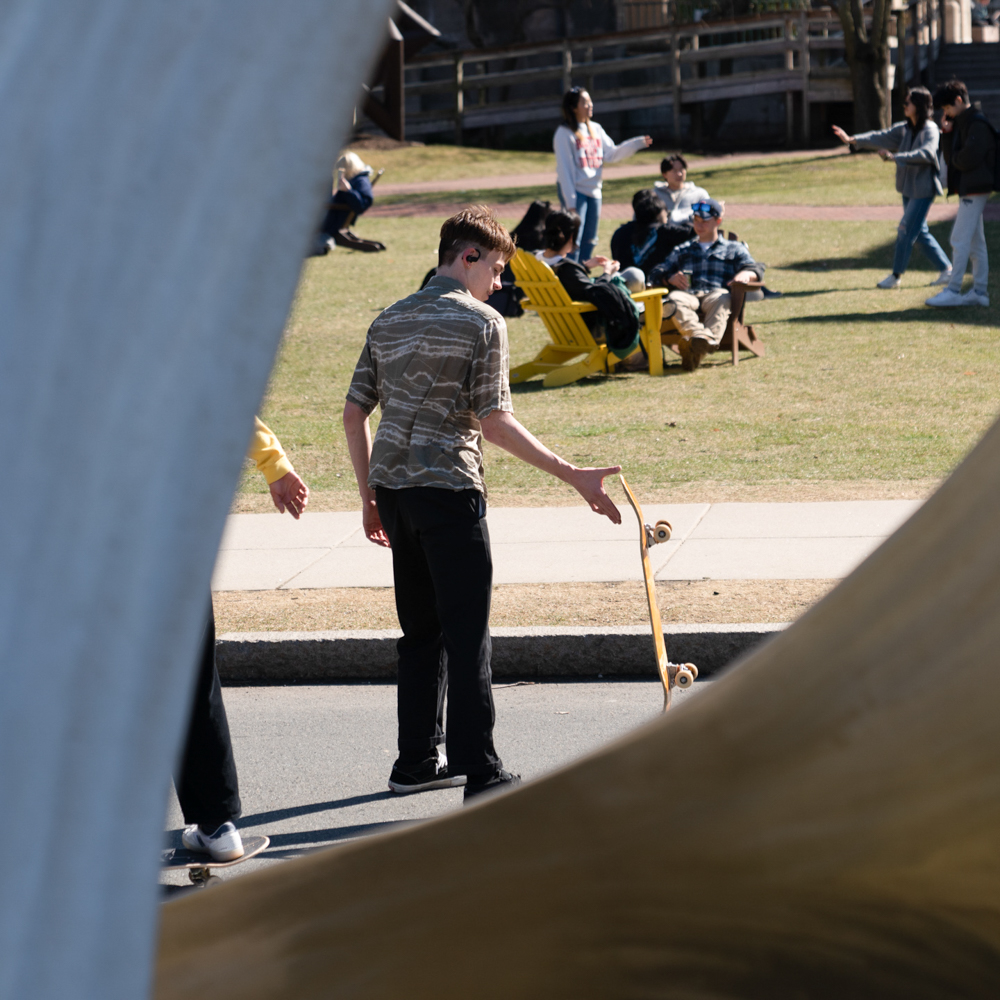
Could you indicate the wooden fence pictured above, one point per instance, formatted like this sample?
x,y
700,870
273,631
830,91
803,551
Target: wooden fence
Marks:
x,y
793,52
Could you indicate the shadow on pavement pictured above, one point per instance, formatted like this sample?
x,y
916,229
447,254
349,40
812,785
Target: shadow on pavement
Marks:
x,y
291,845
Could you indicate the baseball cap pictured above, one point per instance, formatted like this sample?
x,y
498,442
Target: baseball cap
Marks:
x,y
707,209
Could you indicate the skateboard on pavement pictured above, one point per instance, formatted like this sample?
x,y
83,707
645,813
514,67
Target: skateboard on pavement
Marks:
x,y
200,865
680,675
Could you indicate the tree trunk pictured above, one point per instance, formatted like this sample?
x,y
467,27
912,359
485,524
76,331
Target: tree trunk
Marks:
x,y
868,58
870,84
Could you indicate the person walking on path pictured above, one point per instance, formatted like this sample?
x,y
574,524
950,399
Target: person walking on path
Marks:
x,y
206,780
582,148
970,149
913,145
436,363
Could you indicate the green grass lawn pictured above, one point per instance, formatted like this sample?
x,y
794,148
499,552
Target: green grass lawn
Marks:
x,y
822,180
410,164
857,384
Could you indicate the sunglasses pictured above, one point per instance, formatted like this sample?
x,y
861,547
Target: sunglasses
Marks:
x,y
703,210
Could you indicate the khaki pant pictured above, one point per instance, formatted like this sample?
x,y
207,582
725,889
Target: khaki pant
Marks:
x,y
702,314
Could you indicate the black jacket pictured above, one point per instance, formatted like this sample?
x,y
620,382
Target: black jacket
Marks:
x,y
615,307
633,245
970,150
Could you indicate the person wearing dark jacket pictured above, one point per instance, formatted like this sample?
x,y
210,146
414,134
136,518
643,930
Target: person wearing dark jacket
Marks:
x,y
648,239
969,146
616,320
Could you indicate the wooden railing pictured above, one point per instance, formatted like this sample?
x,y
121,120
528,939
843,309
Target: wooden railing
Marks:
x,y
664,67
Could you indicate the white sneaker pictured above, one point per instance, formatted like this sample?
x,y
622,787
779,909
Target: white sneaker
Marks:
x,y
890,281
943,278
947,298
223,845
975,298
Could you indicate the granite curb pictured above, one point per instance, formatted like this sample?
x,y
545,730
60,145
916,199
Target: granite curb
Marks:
x,y
551,653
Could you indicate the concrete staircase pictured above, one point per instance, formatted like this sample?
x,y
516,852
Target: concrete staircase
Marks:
x,y
978,66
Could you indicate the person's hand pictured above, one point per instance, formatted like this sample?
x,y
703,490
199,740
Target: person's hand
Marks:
x,y
947,124
289,493
372,524
842,135
886,155
343,184
648,140
612,267
597,261
744,276
679,280
589,483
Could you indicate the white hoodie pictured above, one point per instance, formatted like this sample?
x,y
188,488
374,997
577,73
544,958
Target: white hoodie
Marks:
x,y
678,203
580,156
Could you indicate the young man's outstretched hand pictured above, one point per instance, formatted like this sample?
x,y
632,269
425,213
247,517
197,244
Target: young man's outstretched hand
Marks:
x,y
502,429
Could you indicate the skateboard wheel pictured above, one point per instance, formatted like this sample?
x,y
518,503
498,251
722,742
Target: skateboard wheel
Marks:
x,y
684,678
693,669
662,532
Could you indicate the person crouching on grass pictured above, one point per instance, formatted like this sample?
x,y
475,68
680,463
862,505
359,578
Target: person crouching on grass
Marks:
x,y
436,362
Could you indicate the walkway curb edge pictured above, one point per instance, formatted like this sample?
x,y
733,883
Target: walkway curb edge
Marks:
x,y
518,653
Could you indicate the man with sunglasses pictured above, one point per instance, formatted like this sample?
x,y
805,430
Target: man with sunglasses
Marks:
x,y
699,273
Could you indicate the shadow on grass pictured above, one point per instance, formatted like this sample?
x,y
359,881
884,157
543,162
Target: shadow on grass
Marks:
x,y
671,367
969,315
880,256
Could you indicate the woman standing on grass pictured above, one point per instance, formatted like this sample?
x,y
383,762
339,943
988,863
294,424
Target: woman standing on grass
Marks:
x,y
582,148
913,146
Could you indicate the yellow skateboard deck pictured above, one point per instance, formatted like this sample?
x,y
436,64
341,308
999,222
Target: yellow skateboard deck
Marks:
x,y
671,674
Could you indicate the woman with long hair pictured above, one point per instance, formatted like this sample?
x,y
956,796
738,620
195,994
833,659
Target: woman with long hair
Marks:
x,y
913,145
582,148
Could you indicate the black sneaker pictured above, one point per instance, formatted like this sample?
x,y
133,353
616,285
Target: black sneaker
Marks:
x,y
483,783
422,777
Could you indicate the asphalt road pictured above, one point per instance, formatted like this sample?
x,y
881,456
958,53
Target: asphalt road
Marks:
x,y
314,761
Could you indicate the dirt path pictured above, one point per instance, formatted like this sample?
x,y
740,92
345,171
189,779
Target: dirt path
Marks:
x,y
943,212
595,604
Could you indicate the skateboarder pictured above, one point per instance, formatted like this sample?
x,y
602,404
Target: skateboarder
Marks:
x,y
206,782
436,362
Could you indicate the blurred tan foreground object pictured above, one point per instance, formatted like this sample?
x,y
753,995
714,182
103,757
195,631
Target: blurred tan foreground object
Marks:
x,y
824,822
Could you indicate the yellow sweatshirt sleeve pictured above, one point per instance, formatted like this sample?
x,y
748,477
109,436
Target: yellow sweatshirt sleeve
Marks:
x,y
265,449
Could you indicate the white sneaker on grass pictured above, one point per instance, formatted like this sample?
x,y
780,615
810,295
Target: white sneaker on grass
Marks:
x,y
223,845
890,281
947,298
975,298
943,278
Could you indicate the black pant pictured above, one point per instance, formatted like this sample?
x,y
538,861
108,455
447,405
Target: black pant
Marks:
x,y
443,573
207,786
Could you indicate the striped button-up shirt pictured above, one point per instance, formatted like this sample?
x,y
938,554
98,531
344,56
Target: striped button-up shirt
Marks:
x,y
711,268
437,363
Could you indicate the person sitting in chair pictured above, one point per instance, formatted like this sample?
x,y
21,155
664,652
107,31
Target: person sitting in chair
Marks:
x,y
699,273
649,238
677,193
616,320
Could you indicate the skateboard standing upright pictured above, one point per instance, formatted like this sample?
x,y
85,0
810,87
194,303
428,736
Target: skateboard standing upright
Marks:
x,y
671,674
200,865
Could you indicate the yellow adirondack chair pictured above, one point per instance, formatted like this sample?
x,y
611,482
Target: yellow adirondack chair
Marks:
x,y
573,353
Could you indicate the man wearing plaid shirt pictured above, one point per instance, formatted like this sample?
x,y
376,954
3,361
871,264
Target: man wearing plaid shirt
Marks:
x,y
700,271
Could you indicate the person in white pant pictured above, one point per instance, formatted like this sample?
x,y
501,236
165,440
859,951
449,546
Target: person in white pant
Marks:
x,y
969,146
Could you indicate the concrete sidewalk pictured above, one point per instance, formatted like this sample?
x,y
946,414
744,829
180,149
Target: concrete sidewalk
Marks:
x,y
725,541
